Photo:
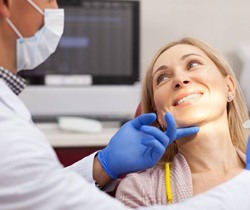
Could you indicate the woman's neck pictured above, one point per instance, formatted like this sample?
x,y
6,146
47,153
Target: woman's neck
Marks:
x,y
210,150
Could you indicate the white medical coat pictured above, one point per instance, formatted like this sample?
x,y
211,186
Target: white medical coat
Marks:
x,y
31,177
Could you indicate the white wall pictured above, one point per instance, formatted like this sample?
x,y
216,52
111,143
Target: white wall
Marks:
x,y
221,23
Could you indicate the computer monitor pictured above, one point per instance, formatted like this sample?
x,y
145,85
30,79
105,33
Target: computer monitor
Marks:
x,y
100,43
95,69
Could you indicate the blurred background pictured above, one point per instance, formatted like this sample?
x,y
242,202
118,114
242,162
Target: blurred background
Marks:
x,y
103,55
107,46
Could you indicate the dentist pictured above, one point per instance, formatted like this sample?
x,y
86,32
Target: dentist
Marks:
x,y
31,176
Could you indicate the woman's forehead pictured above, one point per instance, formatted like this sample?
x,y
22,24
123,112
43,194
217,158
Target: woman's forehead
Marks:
x,y
176,53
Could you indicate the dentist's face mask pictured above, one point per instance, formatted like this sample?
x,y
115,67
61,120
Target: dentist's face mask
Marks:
x,y
32,51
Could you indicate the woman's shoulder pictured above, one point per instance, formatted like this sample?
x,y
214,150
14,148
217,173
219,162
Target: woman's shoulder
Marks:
x,y
180,165
146,178
149,176
148,187
143,188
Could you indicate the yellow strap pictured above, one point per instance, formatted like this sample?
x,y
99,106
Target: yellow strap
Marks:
x,y
168,184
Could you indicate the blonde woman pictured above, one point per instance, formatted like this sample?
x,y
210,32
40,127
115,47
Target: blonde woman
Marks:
x,y
197,85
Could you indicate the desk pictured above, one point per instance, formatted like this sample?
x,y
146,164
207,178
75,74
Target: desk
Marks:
x,y
72,146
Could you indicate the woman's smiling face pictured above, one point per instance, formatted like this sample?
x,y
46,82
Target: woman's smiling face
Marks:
x,y
189,85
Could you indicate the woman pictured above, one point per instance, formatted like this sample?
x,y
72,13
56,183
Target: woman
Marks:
x,y
196,84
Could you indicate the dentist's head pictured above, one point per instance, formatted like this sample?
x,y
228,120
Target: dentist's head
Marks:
x,y
30,32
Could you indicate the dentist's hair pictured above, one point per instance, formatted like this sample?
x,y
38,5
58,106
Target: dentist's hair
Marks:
x,y
237,111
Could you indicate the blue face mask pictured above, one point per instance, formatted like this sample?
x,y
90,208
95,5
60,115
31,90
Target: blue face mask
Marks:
x,y
32,51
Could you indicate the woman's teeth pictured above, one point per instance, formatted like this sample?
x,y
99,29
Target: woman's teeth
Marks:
x,y
189,97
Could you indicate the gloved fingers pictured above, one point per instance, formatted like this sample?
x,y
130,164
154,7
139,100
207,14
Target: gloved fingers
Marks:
x,y
151,142
182,132
248,154
144,119
171,126
156,133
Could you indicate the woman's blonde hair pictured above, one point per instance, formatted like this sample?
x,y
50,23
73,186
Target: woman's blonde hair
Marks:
x,y
236,110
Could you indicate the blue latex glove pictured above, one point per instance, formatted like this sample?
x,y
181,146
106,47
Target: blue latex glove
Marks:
x,y
248,154
172,132
138,146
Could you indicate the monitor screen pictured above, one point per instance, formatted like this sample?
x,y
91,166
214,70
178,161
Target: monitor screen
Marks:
x,y
100,41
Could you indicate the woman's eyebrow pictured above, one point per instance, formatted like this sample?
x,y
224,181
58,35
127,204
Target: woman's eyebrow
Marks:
x,y
190,54
162,67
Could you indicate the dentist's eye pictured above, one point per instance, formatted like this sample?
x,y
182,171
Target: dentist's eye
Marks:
x,y
193,64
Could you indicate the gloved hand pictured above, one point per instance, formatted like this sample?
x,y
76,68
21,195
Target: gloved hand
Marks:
x,y
138,146
248,154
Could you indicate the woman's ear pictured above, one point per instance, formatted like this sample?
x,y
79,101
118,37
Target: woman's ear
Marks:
x,y
231,88
4,8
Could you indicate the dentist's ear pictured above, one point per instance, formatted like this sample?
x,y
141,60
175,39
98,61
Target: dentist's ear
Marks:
x,y
4,8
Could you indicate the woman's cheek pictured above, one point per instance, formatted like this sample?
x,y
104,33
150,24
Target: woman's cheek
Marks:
x,y
161,105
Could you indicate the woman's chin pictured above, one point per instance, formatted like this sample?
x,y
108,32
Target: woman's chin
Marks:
x,y
191,120
185,124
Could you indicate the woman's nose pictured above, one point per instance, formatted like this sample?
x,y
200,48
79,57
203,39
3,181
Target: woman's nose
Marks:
x,y
180,81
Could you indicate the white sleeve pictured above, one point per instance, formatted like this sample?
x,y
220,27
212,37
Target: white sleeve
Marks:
x,y
84,168
31,177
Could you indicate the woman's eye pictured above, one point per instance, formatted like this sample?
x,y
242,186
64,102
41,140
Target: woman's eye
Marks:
x,y
162,78
193,64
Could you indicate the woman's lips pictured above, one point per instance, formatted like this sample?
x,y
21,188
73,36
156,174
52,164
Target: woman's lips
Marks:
x,y
189,97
